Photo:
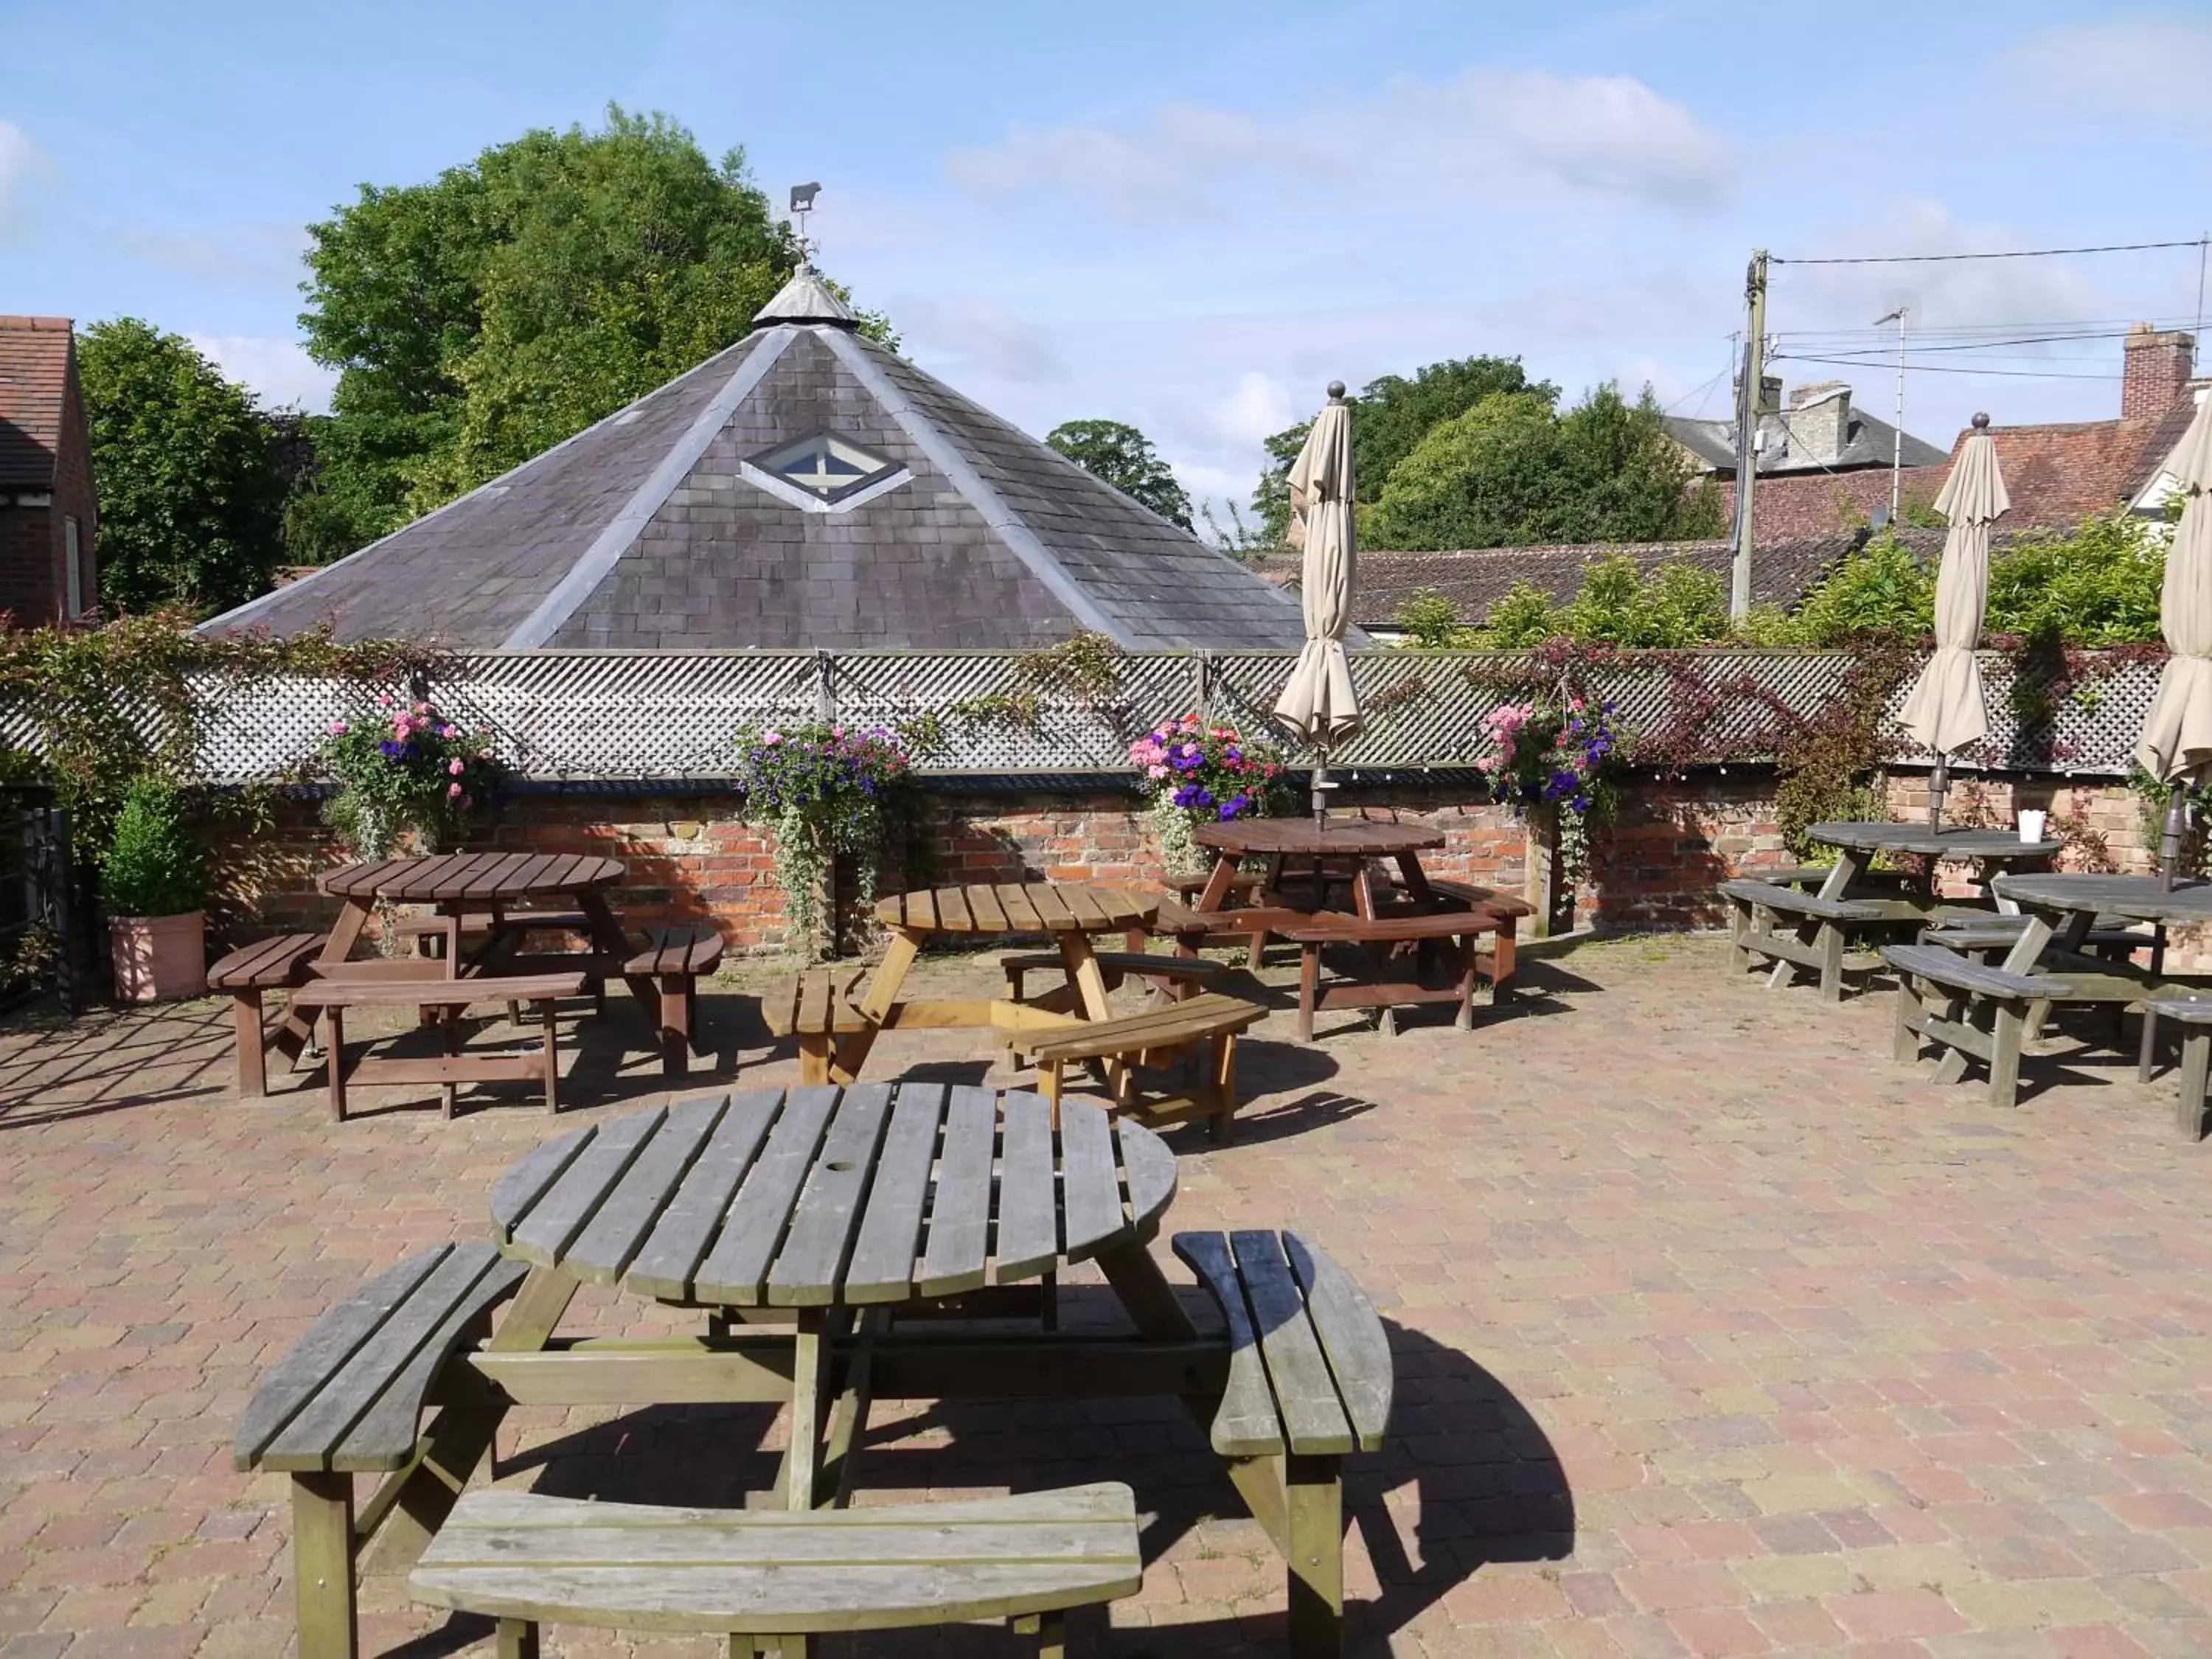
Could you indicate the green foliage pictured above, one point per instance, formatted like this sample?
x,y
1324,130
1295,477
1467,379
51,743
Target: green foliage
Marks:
x,y
1669,608
154,866
828,792
1880,589
1521,617
1389,416
1825,763
402,767
1124,457
2097,586
98,709
1196,773
480,318
185,465
1431,624
1510,472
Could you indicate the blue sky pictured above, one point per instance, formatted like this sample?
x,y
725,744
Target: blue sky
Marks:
x,y
1194,216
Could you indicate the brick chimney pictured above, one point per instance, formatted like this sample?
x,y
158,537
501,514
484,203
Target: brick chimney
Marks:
x,y
1820,421
2158,365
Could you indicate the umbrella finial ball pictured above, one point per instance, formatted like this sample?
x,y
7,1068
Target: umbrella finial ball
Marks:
x,y
1982,421
1336,391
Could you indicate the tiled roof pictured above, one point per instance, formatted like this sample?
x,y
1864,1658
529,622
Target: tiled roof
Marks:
x,y
34,367
651,531
1870,442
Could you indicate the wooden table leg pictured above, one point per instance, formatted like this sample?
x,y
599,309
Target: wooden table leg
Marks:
x,y
609,939
251,1037
291,1038
848,1053
802,1458
1089,980
1314,1500
1218,883
1145,1294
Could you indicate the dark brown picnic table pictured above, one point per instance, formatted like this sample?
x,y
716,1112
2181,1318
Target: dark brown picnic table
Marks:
x,y
1347,844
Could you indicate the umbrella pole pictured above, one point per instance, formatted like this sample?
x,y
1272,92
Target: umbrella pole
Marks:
x,y
2169,843
1939,781
1320,789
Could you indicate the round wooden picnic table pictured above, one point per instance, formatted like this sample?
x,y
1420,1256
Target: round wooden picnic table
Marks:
x,y
2139,898
1068,911
830,1202
1857,841
1349,842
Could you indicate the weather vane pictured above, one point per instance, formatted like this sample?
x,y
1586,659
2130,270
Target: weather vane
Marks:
x,y
802,204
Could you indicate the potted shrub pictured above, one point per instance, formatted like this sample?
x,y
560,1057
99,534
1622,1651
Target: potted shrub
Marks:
x,y
154,882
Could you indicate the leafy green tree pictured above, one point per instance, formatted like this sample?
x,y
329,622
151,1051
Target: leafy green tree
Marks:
x,y
2098,585
1123,456
1524,615
1512,472
504,305
1668,609
1880,589
184,465
1389,416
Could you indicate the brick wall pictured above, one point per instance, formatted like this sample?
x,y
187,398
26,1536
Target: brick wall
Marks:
x,y
690,858
2158,365
33,584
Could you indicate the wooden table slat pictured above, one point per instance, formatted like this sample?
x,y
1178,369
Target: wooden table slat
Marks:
x,y
952,914
1051,906
888,1245
819,1241
1148,1169
529,1176
1305,1389
1352,1340
983,906
1083,904
1090,1184
626,1220
1303,838
1021,911
1029,1205
694,1215
960,1210
737,1267
1245,1423
544,1234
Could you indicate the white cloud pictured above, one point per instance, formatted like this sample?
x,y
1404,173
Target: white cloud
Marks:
x,y
970,333
276,369
2152,67
1487,132
247,254
1258,406
22,166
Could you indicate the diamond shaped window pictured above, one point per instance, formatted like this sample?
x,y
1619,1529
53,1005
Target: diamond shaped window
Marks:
x,y
826,467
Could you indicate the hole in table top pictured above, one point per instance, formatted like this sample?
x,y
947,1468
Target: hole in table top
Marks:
x,y
838,1165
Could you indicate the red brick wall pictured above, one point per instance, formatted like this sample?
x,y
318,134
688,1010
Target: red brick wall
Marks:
x,y
2158,365
1655,866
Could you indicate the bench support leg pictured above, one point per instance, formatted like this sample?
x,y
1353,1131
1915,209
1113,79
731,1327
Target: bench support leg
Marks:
x,y
1831,963
1501,961
518,1638
1904,1035
552,1059
1220,1065
675,1023
2005,1056
1309,988
2195,1059
1314,1495
334,1038
322,1566
252,1044
1050,1630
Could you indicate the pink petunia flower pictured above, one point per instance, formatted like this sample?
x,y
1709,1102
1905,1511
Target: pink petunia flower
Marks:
x,y
337,728
1156,771
456,766
452,789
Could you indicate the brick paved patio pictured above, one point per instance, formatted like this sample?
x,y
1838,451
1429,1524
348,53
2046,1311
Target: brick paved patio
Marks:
x,y
1716,1334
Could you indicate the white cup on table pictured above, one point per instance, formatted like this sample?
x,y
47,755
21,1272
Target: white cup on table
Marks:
x,y
2032,820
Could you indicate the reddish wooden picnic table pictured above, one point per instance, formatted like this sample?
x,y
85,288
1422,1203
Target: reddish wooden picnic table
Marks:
x,y
1346,843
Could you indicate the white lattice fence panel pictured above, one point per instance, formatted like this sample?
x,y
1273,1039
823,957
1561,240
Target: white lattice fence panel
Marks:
x,y
1068,733
625,715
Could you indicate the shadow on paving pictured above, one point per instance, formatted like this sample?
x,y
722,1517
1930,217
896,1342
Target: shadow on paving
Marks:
x,y
110,1059
1470,1475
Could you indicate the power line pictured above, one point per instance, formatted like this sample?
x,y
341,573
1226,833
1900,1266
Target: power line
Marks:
x,y
1938,368
2013,253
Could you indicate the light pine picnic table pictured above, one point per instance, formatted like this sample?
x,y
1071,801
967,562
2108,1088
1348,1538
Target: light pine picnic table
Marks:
x,y
838,1205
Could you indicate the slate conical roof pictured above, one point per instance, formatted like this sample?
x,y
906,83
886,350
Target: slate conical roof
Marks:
x,y
804,488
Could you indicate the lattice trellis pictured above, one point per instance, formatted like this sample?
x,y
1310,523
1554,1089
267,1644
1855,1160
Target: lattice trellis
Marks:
x,y
622,715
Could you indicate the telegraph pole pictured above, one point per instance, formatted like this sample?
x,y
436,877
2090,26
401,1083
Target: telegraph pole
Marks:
x,y
1896,447
1749,406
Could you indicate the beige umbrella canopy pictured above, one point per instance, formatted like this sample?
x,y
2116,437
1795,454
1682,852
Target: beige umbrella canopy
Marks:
x,y
1319,707
1946,711
2177,735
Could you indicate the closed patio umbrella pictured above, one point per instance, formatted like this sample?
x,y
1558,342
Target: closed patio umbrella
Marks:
x,y
2176,745
1319,707
1946,712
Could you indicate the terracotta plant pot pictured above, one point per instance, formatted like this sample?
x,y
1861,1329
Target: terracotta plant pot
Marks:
x,y
158,957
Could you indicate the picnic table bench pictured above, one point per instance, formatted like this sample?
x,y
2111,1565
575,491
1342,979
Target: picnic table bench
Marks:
x,y
349,1399
1311,1380
1789,927
278,962
675,959
450,997
1312,934
2194,1015
776,1577
1201,1031
1971,1009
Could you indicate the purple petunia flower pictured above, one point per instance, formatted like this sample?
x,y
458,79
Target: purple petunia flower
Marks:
x,y
1182,797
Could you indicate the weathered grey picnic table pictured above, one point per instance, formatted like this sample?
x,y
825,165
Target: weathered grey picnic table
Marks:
x,y
1857,842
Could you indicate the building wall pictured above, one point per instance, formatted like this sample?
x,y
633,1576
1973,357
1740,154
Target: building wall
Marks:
x,y
34,582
